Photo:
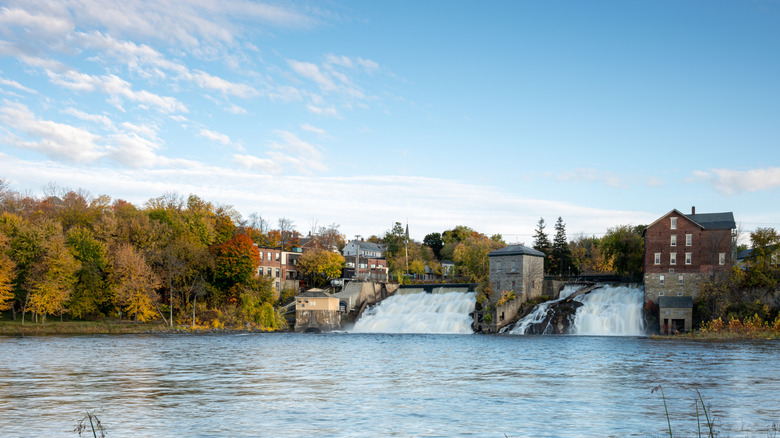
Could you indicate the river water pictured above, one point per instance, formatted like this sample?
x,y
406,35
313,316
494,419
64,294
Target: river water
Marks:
x,y
358,385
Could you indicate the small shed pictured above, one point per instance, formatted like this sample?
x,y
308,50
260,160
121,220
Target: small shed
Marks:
x,y
675,314
316,311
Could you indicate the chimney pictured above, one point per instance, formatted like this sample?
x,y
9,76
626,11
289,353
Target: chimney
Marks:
x,y
693,210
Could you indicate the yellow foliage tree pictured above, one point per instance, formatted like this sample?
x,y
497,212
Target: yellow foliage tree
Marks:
x,y
321,264
53,279
135,283
7,274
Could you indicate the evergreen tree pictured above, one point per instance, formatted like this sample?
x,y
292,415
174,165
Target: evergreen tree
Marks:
x,y
542,243
561,254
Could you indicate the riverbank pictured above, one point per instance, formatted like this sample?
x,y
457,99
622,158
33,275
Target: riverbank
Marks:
x,y
107,327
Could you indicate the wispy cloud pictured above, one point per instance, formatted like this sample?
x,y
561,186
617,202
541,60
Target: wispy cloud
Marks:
x,y
594,176
732,182
58,141
16,85
102,120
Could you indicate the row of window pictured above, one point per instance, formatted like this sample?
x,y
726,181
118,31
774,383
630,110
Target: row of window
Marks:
x,y
364,265
662,280
688,258
688,240
514,266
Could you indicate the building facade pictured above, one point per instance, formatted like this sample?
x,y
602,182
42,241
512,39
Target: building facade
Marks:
x,y
362,249
365,268
684,250
280,266
517,269
317,311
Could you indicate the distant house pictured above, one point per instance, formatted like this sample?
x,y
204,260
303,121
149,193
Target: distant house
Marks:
x,y
683,250
364,249
365,268
746,256
447,268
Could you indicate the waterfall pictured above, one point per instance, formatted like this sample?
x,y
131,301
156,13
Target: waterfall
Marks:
x,y
607,311
611,310
420,313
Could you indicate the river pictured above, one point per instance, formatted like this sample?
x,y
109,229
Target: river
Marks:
x,y
358,385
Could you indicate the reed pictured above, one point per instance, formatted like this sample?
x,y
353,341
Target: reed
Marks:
x,y
700,399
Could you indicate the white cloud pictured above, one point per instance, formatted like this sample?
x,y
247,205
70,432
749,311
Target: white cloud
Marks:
x,y
17,85
264,165
132,150
309,128
55,140
732,182
95,118
218,137
312,72
292,151
35,25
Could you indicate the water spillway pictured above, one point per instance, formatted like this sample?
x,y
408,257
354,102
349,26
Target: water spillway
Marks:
x,y
606,311
441,313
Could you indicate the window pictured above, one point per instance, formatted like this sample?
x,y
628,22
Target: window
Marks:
x,y
722,258
350,264
513,284
688,239
674,223
671,270
657,260
688,258
277,256
373,266
673,258
498,266
268,256
514,267
661,281
269,272
674,240
680,279
277,272
498,285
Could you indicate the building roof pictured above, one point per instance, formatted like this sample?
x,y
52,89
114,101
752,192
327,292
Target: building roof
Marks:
x,y
714,221
515,250
315,293
370,246
708,221
675,302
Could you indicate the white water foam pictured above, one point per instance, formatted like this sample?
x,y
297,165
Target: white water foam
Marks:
x,y
610,311
445,313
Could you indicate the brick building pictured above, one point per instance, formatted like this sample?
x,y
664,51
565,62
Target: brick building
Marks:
x,y
683,250
281,266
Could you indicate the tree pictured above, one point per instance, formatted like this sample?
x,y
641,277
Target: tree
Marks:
x,y
288,237
624,247
542,243
135,283
7,272
236,261
434,242
451,239
560,262
54,275
321,265
394,238
91,292
471,256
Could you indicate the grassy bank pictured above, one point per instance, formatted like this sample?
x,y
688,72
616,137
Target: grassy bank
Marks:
x,y
15,328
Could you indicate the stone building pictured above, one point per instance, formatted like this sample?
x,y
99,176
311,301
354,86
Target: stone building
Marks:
x,y
517,269
316,311
683,250
675,314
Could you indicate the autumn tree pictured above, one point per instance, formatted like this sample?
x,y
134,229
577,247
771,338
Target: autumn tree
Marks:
x,y
451,239
321,265
7,273
135,283
53,277
235,263
471,256
624,246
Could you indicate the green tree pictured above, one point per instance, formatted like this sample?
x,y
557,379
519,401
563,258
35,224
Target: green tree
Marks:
x,y
394,238
91,293
542,243
451,239
435,243
561,259
624,247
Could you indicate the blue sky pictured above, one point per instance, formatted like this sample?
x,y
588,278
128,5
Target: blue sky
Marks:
x,y
439,113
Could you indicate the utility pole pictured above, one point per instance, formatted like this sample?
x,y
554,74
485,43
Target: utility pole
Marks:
x,y
406,247
357,256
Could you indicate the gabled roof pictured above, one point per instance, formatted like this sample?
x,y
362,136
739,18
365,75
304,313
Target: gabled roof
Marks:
x,y
707,221
370,246
515,250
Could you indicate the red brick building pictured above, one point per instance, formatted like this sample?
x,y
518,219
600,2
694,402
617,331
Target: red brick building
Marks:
x,y
281,266
682,250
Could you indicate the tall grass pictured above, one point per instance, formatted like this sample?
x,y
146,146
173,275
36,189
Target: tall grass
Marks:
x,y
699,399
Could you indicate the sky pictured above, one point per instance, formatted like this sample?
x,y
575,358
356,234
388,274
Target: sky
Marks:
x,y
435,113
